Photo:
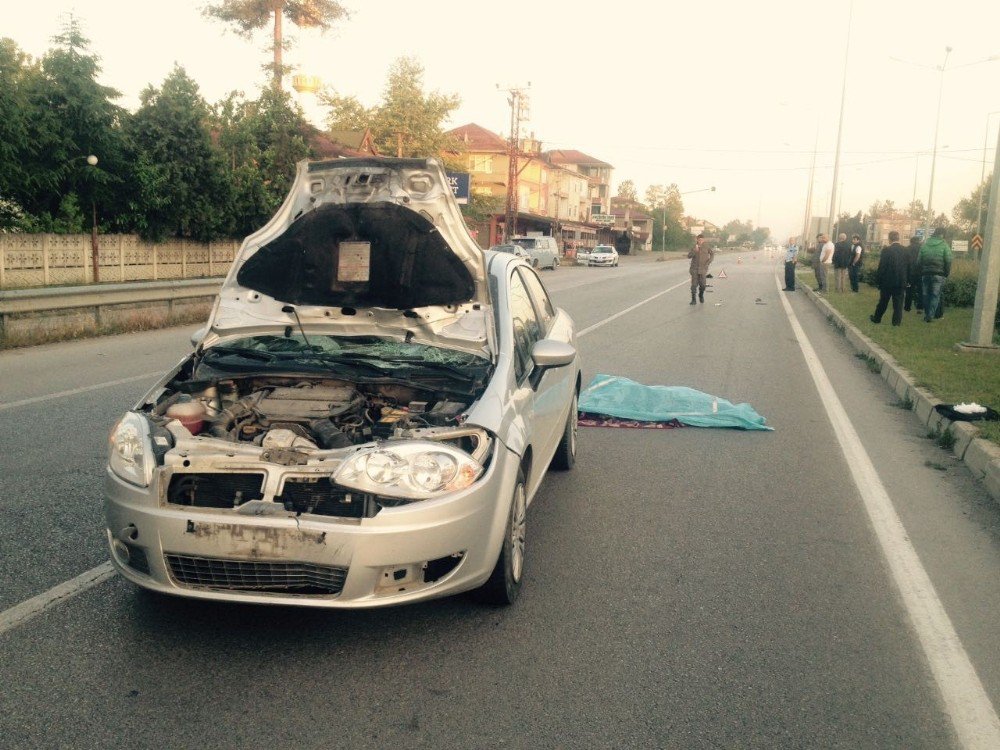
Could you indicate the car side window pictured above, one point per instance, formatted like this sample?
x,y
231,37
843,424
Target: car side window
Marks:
x,y
541,299
527,328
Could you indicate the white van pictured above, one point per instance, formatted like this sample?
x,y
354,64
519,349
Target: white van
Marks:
x,y
544,251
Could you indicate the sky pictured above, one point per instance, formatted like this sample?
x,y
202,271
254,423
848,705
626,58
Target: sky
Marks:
x,y
724,93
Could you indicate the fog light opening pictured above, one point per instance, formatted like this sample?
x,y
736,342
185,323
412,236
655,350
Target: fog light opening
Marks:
x,y
435,570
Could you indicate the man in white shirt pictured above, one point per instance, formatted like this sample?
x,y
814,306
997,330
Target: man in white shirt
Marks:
x,y
822,260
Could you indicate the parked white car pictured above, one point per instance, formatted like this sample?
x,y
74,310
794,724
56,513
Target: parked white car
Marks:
x,y
366,418
544,251
602,255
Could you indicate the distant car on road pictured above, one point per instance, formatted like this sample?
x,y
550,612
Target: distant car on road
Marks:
x,y
602,255
544,251
517,250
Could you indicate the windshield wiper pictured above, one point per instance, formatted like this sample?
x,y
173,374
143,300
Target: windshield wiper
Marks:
x,y
221,351
423,364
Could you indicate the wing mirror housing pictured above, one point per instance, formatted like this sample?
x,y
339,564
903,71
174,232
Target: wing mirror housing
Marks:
x,y
198,335
548,354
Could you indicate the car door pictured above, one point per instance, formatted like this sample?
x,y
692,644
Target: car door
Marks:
x,y
551,393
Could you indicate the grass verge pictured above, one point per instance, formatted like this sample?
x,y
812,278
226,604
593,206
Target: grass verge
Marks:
x,y
927,351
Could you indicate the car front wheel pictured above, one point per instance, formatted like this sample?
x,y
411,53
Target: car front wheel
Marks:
x,y
504,583
565,457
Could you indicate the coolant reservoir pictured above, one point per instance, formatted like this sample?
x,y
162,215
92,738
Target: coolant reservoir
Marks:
x,y
191,414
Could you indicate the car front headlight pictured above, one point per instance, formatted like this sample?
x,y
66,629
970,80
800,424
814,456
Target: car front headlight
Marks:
x,y
415,470
131,455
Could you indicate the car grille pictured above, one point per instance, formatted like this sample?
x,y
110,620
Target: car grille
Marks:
x,y
214,490
256,575
322,498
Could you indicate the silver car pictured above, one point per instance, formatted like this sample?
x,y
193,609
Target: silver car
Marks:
x,y
366,418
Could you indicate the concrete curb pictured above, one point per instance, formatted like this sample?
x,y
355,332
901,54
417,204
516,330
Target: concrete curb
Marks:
x,y
981,456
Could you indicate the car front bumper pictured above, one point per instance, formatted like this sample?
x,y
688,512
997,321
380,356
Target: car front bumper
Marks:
x,y
311,560
601,262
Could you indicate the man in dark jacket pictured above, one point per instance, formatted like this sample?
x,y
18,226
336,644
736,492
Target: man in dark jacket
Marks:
x,y
935,265
891,281
841,262
913,292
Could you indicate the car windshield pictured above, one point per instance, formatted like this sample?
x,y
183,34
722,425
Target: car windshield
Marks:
x,y
506,248
602,250
525,242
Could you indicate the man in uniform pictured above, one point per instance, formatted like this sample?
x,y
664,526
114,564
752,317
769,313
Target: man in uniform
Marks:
x,y
701,258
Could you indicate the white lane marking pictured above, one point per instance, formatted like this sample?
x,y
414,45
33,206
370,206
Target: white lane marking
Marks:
x,y
627,310
75,391
966,702
24,611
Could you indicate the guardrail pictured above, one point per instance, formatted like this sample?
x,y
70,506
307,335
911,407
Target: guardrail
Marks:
x,y
35,315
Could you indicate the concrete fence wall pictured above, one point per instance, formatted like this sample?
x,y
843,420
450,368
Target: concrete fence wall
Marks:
x,y
36,260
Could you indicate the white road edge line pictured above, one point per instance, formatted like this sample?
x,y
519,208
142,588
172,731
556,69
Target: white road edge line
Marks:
x,y
75,391
965,700
627,310
26,610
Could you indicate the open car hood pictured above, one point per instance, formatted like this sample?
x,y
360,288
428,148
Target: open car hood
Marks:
x,y
371,246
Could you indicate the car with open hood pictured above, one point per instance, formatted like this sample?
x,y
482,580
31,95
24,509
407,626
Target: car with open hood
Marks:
x,y
366,417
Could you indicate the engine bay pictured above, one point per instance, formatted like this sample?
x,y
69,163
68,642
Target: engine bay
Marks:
x,y
304,413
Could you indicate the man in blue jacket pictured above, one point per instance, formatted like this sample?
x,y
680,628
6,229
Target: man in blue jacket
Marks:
x,y
935,265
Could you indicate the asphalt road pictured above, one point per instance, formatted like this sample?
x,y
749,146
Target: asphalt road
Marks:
x,y
690,588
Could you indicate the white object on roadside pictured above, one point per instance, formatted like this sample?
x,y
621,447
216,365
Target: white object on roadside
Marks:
x,y
972,408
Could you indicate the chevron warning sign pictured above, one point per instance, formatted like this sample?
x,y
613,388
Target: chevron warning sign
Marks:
x,y
722,275
977,242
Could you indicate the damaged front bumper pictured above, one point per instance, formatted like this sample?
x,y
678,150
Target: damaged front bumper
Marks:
x,y
411,552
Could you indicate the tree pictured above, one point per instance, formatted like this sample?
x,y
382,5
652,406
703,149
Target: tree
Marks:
x,y
15,67
407,122
667,209
627,191
916,210
852,225
70,117
182,187
249,16
967,211
881,208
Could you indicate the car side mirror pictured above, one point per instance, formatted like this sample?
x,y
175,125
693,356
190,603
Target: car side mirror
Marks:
x,y
548,354
198,335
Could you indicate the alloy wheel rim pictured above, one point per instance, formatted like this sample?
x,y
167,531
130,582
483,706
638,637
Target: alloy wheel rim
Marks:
x,y
518,527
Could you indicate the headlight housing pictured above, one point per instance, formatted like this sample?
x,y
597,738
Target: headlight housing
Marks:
x,y
414,470
131,455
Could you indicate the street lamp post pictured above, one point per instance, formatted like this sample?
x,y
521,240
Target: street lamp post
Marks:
x,y
937,127
94,249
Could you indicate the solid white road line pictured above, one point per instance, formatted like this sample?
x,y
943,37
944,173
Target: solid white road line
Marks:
x,y
24,611
75,391
627,310
966,702
15,616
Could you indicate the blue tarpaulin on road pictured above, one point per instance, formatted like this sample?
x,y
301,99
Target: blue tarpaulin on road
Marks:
x,y
615,396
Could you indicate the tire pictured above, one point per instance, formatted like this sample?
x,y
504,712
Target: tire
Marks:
x,y
565,456
504,584
534,262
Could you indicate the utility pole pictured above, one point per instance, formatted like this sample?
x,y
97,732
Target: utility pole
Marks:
x,y
809,193
840,128
985,310
518,101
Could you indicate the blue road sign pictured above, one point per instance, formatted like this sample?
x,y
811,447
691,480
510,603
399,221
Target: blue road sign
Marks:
x,y
459,182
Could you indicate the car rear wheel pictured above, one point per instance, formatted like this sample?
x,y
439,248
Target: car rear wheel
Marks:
x,y
565,457
534,262
504,583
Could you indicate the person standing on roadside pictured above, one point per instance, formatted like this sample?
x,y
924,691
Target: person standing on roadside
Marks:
x,y
891,281
857,256
822,260
935,265
791,256
913,292
841,262
701,258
